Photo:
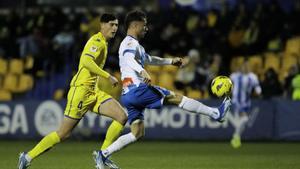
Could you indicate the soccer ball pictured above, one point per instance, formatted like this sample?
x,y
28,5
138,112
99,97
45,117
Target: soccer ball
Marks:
x,y
221,86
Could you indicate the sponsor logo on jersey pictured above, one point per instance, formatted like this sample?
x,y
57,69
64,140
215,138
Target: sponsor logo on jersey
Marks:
x,y
93,49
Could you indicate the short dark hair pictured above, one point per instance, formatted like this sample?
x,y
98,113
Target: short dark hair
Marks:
x,y
106,17
134,16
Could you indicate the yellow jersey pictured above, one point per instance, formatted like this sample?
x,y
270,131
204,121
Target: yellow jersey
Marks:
x,y
95,48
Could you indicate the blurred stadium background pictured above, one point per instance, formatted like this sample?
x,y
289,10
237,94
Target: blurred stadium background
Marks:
x,y
40,45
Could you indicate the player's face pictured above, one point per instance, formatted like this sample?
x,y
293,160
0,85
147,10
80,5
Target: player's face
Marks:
x,y
109,29
142,28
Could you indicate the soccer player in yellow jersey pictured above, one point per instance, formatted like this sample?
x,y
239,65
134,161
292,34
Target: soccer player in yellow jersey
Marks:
x,y
84,95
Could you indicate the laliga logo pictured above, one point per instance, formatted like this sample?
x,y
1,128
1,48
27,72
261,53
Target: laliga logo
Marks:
x,y
47,117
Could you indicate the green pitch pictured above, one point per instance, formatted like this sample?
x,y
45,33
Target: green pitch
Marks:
x,y
161,155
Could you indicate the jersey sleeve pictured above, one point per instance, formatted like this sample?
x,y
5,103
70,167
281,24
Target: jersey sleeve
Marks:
x,y
129,47
132,63
91,65
93,48
155,60
129,52
90,52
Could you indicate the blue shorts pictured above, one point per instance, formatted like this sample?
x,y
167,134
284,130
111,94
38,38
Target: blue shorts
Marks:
x,y
139,98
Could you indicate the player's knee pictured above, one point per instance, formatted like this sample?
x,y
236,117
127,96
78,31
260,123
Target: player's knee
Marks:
x,y
173,99
139,134
63,135
122,118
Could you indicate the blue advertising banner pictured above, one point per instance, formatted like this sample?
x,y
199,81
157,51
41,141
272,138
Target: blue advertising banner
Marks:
x,y
268,120
288,120
174,123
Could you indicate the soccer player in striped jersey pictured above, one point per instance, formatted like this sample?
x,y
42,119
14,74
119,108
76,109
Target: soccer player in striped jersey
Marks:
x,y
138,93
85,95
245,82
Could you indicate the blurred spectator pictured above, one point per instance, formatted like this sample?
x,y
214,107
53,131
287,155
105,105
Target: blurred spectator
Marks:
x,y
186,75
288,81
29,45
296,87
63,43
55,36
271,86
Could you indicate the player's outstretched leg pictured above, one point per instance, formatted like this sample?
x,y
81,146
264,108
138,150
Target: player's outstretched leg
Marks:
x,y
100,161
23,161
224,109
195,106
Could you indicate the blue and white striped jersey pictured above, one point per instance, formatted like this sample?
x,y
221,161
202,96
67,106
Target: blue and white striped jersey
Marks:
x,y
244,84
132,59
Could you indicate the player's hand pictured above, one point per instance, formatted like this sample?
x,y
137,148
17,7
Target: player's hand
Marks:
x,y
177,61
113,80
146,77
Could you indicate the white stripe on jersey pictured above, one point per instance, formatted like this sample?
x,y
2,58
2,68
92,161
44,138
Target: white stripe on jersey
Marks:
x,y
244,84
130,47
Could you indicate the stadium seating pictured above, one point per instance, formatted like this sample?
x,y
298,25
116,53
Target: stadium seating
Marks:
x,y
25,83
166,80
271,60
58,94
236,61
170,69
154,78
179,92
1,81
29,61
288,60
293,46
154,72
3,66
153,69
5,95
256,64
10,82
16,66
193,93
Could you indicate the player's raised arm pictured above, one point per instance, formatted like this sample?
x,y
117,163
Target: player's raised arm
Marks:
x,y
89,63
91,51
155,60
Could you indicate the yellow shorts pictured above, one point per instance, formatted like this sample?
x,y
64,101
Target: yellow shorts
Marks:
x,y
81,99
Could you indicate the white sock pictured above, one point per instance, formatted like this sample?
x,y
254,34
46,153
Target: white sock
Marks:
x,y
241,126
243,122
120,143
197,107
28,158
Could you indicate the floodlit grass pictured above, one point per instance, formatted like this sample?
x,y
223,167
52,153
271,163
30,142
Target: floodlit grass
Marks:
x,y
161,155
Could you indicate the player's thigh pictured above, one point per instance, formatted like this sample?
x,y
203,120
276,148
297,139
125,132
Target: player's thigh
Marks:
x,y
114,110
78,103
138,128
108,106
173,99
66,127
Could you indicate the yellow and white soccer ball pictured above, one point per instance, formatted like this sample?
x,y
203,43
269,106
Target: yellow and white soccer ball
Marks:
x,y
221,86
